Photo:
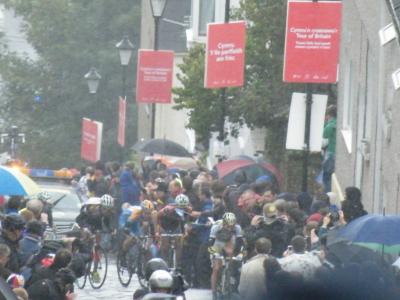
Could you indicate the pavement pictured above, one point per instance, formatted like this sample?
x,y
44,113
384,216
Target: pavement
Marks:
x,y
112,289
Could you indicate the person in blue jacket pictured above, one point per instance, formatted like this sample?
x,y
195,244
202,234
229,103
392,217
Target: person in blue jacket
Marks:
x,y
130,187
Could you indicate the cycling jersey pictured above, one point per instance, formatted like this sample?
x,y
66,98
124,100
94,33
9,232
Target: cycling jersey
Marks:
x,y
172,219
131,218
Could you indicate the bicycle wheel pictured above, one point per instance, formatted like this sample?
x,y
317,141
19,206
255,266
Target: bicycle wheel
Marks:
x,y
124,269
141,266
81,281
98,268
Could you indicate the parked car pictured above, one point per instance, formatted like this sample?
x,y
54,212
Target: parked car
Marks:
x,y
66,205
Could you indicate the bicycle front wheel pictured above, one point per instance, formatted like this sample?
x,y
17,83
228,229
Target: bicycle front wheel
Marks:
x,y
124,269
98,268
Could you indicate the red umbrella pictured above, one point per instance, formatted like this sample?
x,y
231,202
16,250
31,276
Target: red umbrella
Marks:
x,y
226,169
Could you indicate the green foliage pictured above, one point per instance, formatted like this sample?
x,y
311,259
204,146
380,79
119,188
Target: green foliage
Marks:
x,y
69,37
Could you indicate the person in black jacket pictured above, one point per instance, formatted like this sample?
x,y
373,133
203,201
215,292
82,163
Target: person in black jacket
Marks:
x,y
12,227
352,206
271,227
59,288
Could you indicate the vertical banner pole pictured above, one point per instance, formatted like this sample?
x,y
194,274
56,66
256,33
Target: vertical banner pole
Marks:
x,y
307,134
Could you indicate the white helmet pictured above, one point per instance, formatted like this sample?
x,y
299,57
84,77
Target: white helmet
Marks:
x,y
43,196
160,279
229,219
182,200
107,201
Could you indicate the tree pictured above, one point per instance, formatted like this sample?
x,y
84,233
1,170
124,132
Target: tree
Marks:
x,y
69,36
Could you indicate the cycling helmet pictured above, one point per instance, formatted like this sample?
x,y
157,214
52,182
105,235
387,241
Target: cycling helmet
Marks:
x,y
43,196
13,222
107,200
161,279
147,205
182,200
153,265
229,219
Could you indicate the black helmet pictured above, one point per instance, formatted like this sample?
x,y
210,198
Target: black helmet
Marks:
x,y
154,265
13,222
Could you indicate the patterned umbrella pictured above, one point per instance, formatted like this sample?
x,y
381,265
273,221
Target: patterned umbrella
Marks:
x,y
15,183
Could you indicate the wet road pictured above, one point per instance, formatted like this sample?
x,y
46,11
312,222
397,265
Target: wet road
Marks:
x,y
112,289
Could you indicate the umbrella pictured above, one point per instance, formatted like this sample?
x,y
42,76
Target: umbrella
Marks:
x,y
180,163
375,232
163,147
15,183
345,253
226,170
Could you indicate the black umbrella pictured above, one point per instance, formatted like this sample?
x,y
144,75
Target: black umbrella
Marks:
x,y
163,147
344,253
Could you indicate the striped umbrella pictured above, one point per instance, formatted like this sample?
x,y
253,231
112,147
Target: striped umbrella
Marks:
x,y
15,183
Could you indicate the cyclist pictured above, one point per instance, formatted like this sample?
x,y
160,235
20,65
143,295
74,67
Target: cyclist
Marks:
x,y
171,220
136,220
226,239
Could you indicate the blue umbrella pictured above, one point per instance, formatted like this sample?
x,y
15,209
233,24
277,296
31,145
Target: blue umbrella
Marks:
x,y
15,183
373,231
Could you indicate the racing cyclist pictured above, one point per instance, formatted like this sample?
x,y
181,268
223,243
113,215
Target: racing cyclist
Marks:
x,y
226,239
171,220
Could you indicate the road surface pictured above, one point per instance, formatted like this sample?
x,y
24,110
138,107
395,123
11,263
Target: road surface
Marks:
x,y
112,289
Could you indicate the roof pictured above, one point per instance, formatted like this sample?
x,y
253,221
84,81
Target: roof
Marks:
x,y
173,36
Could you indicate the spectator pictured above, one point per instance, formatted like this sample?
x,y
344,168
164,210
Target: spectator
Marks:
x,y
297,260
352,206
60,287
13,205
4,257
61,260
252,278
129,187
30,243
11,233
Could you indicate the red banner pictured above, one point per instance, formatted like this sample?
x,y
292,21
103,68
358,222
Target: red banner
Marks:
x,y
91,140
312,41
225,55
121,121
154,76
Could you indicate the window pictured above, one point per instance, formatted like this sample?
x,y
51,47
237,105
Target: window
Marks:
x,y
206,15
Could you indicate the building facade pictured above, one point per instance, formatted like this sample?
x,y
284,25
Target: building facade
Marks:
x,y
368,144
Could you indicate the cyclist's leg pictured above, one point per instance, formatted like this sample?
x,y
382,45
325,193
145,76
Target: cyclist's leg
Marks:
x,y
216,267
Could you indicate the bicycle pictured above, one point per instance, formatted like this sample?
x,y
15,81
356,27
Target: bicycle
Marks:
x,y
227,282
133,260
98,263
171,255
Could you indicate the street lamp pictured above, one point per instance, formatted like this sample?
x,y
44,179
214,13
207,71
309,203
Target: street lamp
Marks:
x,y
157,9
125,48
93,78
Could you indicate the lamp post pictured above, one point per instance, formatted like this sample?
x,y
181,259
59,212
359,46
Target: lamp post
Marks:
x,y
125,48
93,78
157,9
